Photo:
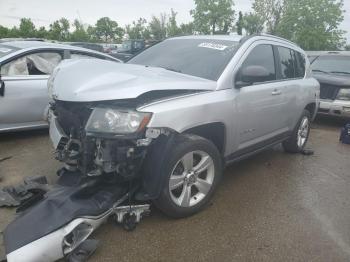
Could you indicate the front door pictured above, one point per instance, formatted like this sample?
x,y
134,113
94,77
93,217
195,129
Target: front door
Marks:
x,y
260,105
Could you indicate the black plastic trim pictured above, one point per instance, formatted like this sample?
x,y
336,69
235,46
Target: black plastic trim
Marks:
x,y
254,149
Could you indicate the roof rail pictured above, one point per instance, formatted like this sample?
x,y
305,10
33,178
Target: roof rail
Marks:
x,y
280,38
268,35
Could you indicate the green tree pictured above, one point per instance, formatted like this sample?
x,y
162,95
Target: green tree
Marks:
x,y
59,30
91,32
172,28
13,32
26,28
240,23
313,24
253,24
108,30
138,29
347,48
42,33
79,33
270,12
187,29
213,16
157,27
4,31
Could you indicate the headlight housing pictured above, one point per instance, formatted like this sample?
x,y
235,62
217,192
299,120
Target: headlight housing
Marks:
x,y
116,121
344,94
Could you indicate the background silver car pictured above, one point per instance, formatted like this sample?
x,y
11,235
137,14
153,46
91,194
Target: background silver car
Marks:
x,y
25,69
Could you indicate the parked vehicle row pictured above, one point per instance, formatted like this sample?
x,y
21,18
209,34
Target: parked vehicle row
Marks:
x,y
128,49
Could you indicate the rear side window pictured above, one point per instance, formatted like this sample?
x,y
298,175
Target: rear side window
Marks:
x,y
287,62
262,55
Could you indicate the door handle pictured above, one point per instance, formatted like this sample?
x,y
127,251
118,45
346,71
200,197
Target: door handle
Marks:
x,y
2,88
276,92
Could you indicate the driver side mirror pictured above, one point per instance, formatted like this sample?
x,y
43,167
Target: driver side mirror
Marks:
x,y
249,75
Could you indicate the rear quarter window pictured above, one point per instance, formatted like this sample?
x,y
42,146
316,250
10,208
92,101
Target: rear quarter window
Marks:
x,y
292,63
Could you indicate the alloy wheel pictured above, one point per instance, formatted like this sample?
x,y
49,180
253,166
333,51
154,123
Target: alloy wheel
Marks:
x,y
303,132
191,178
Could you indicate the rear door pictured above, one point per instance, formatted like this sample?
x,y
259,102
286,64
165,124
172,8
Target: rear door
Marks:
x,y
261,105
25,96
291,75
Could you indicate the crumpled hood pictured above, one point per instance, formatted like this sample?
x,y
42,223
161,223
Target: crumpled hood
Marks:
x,y
333,79
88,80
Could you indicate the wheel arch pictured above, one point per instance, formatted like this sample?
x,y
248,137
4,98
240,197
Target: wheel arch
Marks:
x,y
311,107
214,132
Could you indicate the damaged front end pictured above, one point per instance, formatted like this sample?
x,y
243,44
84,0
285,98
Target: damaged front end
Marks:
x,y
104,147
97,140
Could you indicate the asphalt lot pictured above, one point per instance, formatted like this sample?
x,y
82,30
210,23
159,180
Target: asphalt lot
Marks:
x,y
271,207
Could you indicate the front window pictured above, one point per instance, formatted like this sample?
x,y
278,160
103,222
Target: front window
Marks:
x,y
205,58
332,64
262,56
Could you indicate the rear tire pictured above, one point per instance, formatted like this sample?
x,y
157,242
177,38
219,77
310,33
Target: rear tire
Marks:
x,y
193,172
296,143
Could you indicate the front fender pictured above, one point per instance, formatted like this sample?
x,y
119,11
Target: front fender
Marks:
x,y
152,176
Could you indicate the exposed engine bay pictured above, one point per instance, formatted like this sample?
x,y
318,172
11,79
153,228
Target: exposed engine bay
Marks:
x,y
90,154
95,153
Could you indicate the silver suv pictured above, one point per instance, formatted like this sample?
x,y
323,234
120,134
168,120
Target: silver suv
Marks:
x,y
176,114
161,128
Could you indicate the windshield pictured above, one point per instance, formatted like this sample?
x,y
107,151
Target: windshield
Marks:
x,y
332,64
205,58
5,50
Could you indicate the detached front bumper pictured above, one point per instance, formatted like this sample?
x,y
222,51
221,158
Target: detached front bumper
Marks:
x,y
66,216
335,108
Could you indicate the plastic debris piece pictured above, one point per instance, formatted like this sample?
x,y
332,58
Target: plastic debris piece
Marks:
x,y
7,199
345,134
13,196
307,152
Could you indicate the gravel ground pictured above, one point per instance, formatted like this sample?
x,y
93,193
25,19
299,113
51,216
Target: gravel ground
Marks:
x,y
271,207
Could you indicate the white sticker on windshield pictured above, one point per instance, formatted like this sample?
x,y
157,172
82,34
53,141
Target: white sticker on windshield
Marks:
x,y
5,50
213,46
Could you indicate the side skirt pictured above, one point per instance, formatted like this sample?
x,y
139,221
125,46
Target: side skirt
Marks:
x,y
255,149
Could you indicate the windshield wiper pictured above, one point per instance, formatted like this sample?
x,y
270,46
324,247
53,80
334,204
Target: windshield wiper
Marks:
x,y
340,72
318,70
172,69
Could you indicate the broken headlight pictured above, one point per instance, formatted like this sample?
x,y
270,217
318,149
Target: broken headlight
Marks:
x,y
116,121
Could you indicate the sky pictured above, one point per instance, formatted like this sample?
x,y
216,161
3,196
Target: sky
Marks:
x,y
43,12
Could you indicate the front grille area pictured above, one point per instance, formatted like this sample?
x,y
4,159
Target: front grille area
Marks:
x,y
72,116
328,91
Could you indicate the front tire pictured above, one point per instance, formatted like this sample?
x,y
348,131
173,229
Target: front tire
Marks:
x,y
297,142
193,172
